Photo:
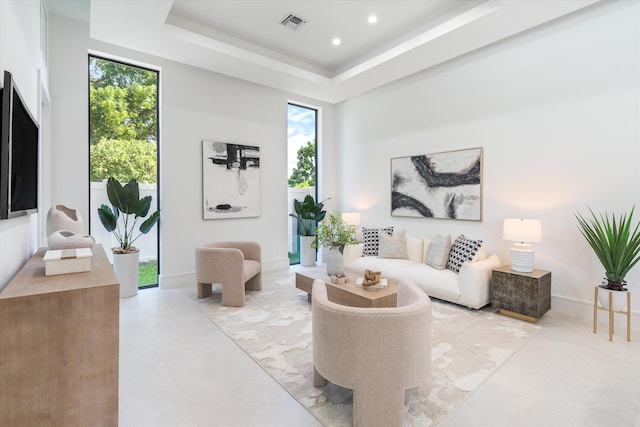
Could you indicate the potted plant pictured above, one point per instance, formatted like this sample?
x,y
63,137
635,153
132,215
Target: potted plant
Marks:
x,y
334,233
616,243
121,220
308,214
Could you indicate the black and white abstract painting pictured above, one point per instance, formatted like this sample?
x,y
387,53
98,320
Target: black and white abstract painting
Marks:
x,y
230,180
441,185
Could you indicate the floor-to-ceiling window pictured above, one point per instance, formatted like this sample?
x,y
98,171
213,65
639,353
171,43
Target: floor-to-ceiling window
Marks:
x,y
123,138
301,165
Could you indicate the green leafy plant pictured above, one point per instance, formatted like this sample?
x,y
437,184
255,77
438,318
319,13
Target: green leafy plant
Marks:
x,y
615,244
333,231
308,213
126,202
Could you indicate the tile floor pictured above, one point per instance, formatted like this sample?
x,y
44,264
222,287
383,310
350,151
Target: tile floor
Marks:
x,y
178,369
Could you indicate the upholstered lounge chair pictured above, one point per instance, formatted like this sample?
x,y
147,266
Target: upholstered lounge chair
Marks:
x,y
235,265
376,352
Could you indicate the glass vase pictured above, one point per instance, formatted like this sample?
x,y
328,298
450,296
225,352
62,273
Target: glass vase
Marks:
x,y
335,263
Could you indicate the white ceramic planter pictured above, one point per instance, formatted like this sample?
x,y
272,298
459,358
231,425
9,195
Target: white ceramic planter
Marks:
x,y
126,269
307,253
618,302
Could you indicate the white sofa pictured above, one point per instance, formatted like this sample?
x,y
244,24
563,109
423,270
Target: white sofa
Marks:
x,y
470,287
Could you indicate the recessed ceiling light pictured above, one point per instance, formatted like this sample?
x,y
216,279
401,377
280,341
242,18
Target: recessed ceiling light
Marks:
x,y
372,19
336,41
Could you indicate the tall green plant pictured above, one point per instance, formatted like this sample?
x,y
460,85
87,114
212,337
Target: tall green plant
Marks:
x,y
126,202
614,243
308,213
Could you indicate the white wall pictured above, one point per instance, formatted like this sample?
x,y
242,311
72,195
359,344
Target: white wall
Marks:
x,y
557,112
20,55
195,105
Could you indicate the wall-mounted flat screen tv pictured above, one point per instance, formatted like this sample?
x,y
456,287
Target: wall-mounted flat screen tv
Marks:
x,y
18,154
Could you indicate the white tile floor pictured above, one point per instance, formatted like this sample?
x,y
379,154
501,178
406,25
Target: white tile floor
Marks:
x,y
178,369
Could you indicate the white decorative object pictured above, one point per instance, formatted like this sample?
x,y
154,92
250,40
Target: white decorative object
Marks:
x,y
64,229
522,232
67,261
126,267
335,263
65,239
380,285
307,252
61,217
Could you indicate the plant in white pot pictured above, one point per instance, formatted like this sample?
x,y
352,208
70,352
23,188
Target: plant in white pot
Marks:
x,y
333,233
308,213
121,220
616,243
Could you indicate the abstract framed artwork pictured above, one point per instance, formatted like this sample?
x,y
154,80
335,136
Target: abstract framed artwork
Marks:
x,y
230,180
441,185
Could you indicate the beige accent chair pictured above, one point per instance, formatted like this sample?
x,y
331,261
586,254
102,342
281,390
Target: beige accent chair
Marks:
x,y
376,352
235,265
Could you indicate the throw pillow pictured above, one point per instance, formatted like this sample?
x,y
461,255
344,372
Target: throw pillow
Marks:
x,y
462,250
371,239
393,246
415,246
437,253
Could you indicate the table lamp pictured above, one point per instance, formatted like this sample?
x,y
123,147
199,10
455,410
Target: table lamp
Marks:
x,y
351,218
522,232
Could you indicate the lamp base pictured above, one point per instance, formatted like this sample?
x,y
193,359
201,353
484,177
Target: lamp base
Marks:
x,y
522,257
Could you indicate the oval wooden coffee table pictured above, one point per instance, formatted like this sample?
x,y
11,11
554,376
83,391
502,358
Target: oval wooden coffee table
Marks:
x,y
349,293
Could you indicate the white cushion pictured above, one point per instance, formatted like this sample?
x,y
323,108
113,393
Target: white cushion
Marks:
x,y
437,253
481,254
392,246
414,249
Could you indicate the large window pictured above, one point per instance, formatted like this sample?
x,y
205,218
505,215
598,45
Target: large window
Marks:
x,y
301,169
123,138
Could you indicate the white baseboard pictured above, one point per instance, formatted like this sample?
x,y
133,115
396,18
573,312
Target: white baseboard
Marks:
x,y
583,310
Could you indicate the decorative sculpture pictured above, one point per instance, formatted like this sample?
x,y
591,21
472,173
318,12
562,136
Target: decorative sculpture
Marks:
x,y
64,229
371,278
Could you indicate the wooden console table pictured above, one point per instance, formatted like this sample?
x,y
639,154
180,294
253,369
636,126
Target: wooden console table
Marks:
x,y
59,346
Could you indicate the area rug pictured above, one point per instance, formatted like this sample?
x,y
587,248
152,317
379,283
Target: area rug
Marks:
x,y
274,328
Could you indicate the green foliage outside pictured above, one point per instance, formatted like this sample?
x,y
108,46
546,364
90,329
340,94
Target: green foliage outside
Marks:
x,y
148,273
123,160
304,174
123,122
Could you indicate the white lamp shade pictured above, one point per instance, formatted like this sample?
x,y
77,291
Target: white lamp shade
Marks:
x,y
522,230
351,218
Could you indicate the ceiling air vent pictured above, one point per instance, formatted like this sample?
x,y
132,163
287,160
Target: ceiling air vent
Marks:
x,y
292,21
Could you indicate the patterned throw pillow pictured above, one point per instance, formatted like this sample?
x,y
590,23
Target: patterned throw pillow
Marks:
x,y
371,239
462,250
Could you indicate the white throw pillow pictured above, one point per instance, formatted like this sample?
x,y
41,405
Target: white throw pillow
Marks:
x,y
414,249
392,246
437,252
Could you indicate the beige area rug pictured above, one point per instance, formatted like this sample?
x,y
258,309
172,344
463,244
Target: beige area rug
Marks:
x,y
274,328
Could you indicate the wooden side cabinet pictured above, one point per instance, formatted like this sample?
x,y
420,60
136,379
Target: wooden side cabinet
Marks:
x,y
525,296
59,346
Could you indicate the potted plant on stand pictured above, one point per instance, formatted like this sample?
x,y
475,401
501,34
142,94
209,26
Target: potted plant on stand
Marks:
x,y
617,246
128,208
334,233
308,213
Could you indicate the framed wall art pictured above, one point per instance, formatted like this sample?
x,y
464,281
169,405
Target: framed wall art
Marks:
x,y
230,180
440,185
